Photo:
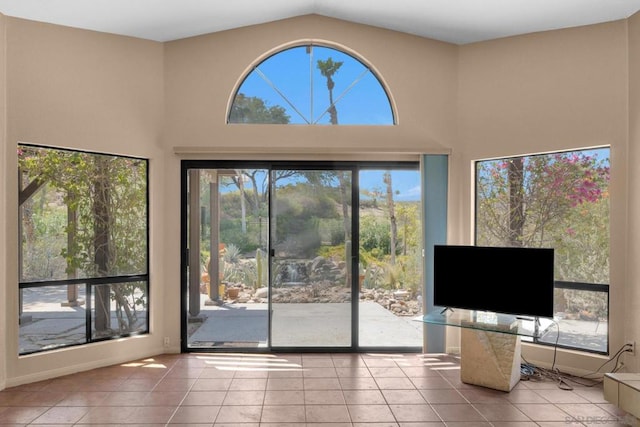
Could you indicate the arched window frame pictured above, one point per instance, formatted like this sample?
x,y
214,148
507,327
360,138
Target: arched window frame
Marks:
x,y
366,65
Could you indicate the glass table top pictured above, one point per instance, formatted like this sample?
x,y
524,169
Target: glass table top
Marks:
x,y
488,321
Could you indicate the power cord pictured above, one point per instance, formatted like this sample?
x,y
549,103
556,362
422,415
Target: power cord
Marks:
x,y
530,372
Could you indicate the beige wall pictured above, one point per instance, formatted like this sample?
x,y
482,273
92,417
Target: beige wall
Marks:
x,y
72,88
555,90
91,91
3,197
631,306
202,74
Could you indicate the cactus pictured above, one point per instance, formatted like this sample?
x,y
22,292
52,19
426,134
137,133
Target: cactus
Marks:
x,y
259,267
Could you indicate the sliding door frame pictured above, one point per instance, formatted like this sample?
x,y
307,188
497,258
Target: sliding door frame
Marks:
x,y
355,167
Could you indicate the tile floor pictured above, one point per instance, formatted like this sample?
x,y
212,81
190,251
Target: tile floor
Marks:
x,y
292,390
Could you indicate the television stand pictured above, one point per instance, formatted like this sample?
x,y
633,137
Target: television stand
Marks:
x,y
490,348
444,310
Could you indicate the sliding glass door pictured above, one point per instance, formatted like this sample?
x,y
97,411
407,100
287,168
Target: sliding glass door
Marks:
x,y
227,259
311,271
300,256
390,258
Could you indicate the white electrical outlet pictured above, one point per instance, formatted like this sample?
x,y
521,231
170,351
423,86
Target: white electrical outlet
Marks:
x,y
631,347
167,341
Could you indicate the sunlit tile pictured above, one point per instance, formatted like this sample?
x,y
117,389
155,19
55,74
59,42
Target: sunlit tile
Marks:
x,y
327,414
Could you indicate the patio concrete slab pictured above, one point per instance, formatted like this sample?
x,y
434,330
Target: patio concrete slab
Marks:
x,y
306,324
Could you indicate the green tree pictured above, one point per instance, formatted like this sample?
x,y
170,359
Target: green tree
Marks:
x,y
392,216
559,200
251,109
408,216
108,237
328,68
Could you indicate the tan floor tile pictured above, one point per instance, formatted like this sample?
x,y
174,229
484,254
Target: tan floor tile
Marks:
x,y
525,396
321,384
289,372
403,397
420,424
593,395
500,412
327,414
419,371
283,425
358,384
442,396
317,361
175,384
382,360
514,424
244,397
387,372
323,397
125,398
562,396
252,373
212,373
15,397
87,398
320,373
363,397
164,398
370,413
195,414
284,397
395,384
248,384
285,384
431,382
330,390
139,384
211,384
184,372
484,395
44,397
62,415
387,424
152,414
108,415
283,413
586,413
457,412
351,372
414,413
199,398
348,360
468,424
102,385
239,414
542,412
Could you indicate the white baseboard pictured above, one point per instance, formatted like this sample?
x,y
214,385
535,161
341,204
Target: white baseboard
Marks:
x,y
86,366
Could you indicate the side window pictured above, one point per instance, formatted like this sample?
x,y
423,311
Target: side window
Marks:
x,y
558,200
83,250
313,85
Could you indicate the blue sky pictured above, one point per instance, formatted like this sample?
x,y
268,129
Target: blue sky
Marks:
x,y
406,183
291,79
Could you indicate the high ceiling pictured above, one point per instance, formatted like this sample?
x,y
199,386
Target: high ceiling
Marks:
x,y
454,21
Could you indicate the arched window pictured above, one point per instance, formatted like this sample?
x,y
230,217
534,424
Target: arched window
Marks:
x,y
314,85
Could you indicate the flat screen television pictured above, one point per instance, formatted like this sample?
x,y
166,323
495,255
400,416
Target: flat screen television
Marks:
x,y
511,280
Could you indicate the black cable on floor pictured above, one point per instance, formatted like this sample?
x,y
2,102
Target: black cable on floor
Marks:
x,y
530,372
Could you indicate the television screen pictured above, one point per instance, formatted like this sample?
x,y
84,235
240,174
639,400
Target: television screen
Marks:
x,y
511,280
